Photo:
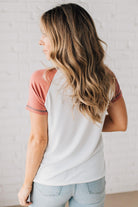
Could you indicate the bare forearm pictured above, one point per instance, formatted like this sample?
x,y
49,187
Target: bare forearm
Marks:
x,y
109,125
35,152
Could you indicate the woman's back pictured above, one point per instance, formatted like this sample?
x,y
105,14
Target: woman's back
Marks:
x,y
74,153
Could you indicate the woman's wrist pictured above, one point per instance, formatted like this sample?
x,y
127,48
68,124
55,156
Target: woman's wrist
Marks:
x,y
27,185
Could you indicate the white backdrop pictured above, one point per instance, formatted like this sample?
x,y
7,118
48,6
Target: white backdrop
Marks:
x,y
20,55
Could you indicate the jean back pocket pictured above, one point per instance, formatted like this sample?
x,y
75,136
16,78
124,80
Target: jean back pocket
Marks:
x,y
48,190
97,186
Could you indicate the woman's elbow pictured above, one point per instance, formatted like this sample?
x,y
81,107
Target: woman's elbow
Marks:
x,y
124,128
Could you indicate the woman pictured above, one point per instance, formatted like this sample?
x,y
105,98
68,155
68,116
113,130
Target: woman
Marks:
x,y
65,159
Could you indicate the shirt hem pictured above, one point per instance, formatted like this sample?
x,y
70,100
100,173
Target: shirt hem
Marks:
x,y
63,184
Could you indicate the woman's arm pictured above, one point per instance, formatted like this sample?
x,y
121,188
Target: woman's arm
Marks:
x,y
36,146
117,119
35,152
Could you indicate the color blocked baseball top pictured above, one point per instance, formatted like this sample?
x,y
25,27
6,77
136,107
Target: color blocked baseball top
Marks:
x,y
74,153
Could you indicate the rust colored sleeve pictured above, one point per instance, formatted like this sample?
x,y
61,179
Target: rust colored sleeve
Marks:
x,y
118,92
38,89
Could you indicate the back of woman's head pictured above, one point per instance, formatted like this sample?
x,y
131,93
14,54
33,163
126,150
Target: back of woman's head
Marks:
x,y
78,52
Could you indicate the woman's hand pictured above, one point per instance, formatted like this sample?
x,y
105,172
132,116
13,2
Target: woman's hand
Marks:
x,y
24,194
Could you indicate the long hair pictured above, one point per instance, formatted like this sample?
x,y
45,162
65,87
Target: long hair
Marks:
x,y
77,51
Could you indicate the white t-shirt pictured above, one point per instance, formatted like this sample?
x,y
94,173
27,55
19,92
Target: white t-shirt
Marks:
x,y
74,153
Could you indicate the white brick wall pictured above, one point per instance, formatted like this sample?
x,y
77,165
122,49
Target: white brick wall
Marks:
x,y
117,24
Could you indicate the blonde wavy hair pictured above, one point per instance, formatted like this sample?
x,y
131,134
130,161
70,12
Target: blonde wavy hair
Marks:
x,y
77,51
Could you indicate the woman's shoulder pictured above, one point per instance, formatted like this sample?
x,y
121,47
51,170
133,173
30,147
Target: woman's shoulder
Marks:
x,y
38,76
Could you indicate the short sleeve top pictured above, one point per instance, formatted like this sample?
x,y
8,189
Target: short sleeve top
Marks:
x,y
74,153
